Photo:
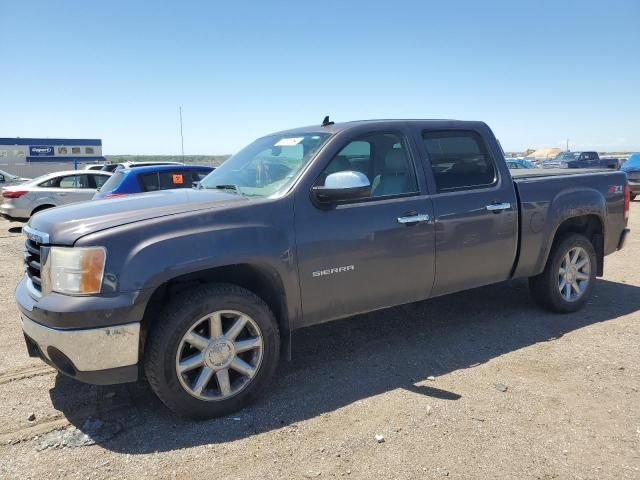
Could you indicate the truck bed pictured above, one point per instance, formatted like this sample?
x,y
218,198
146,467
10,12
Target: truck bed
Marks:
x,y
548,197
555,172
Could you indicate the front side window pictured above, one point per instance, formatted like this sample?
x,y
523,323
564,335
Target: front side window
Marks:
x,y
174,179
459,160
266,166
567,156
198,175
383,158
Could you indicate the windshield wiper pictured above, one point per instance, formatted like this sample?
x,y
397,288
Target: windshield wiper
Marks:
x,y
227,186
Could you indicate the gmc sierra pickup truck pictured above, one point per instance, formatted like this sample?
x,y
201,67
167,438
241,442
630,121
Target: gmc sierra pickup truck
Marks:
x,y
200,289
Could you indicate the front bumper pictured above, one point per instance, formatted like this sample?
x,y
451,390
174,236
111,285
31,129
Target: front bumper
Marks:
x,y
100,356
95,339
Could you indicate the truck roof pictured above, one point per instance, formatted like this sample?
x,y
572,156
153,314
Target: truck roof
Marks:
x,y
355,124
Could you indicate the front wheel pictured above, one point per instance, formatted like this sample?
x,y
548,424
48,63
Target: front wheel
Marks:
x,y
567,280
212,351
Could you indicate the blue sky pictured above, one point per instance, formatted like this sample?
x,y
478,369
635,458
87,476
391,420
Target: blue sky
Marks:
x,y
536,72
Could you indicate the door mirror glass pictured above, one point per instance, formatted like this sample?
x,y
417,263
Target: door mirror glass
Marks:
x,y
345,185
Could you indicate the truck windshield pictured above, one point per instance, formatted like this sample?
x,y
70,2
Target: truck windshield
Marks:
x,y
567,156
267,165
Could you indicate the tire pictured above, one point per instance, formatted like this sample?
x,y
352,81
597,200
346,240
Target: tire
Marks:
x,y
168,347
545,288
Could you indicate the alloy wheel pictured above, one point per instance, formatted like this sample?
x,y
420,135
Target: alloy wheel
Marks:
x,y
219,355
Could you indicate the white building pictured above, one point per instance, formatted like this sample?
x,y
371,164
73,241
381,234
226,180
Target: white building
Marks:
x,y
32,157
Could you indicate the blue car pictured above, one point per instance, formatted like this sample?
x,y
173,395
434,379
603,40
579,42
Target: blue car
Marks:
x,y
632,168
151,179
517,163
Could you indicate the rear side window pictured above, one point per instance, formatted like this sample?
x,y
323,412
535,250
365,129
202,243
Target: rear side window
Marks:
x,y
459,160
149,182
112,182
99,180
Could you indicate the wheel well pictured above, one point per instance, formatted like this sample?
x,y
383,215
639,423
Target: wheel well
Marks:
x,y
262,281
40,208
591,227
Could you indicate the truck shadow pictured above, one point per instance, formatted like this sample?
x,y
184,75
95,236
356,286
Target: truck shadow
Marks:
x,y
342,362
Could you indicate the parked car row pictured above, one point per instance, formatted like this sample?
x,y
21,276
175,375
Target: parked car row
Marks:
x,y
22,198
581,160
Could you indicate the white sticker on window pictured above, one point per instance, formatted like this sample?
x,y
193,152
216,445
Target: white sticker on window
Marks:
x,y
288,142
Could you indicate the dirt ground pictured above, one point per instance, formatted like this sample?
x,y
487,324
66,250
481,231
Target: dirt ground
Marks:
x,y
481,384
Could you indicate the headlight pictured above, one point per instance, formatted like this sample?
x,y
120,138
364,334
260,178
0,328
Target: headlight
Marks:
x,y
74,271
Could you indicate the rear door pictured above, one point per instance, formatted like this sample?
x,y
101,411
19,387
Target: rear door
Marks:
x,y
65,189
475,207
360,255
76,188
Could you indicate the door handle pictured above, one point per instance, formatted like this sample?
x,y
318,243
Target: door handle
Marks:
x,y
417,218
498,207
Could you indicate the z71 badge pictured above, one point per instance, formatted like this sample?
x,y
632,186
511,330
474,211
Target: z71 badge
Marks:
x,y
331,271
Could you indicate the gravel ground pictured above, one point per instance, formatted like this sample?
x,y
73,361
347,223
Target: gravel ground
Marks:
x,y
480,384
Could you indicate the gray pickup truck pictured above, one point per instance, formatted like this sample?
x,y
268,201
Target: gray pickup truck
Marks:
x,y
200,289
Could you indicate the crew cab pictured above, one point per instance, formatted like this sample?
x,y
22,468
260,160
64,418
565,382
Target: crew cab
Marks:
x,y
581,160
200,289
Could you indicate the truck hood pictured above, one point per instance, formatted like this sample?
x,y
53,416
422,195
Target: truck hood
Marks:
x,y
66,224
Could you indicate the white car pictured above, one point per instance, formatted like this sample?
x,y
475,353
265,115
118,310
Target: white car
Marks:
x,y
7,179
19,202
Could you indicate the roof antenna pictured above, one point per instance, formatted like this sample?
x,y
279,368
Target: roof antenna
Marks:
x,y
326,122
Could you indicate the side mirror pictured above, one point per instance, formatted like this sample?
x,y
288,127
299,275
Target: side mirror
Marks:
x,y
340,186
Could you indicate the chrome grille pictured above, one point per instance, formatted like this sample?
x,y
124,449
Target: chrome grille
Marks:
x,y
32,262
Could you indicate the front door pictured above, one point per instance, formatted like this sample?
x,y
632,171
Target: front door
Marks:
x,y
371,253
475,207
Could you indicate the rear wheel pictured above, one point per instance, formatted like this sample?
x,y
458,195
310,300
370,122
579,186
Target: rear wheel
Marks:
x,y
212,351
567,280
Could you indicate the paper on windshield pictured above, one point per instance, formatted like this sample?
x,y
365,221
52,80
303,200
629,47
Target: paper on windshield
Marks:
x,y
288,142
